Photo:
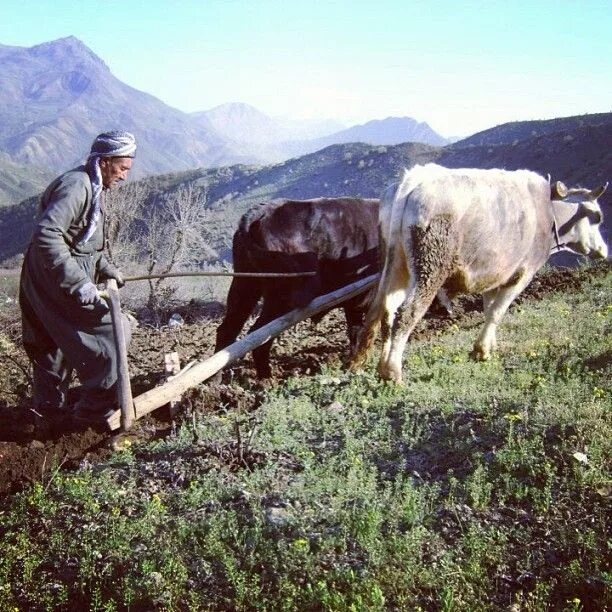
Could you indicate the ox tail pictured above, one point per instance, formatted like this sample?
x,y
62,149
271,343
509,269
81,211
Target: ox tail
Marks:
x,y
377,310
391,256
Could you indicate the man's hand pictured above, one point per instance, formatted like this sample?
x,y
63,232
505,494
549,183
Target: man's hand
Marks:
x,y
112,272
118,277
88,294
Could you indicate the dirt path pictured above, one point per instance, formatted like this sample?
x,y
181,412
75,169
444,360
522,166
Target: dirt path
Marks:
x,y
24,457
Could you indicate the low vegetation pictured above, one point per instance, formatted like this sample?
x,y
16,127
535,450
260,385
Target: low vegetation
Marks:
x,y
473,487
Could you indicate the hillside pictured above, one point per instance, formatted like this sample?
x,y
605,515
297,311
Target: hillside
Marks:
x,y
57,96
515,131
581,156
18,181
354,169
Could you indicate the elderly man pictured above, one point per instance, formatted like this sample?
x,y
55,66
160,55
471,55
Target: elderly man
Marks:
x,y
66,324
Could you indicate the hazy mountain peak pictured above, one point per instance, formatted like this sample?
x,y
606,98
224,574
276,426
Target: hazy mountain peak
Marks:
x,y
234,108
389,131
244,123
56,96
65,49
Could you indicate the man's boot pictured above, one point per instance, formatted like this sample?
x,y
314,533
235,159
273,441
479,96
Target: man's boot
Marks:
x,y
94,407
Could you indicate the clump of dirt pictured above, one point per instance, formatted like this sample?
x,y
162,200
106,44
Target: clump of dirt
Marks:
x,y
26,456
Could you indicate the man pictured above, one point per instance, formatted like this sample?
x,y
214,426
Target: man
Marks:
x,y
66,323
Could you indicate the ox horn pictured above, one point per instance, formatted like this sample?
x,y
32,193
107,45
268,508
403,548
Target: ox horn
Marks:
x,y
558,191
593,195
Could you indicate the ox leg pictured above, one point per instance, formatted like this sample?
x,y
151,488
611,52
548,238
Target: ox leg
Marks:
x,y
261,355
495,305
242,298
387,298
391,310
400,289
408,315
426,267
354,323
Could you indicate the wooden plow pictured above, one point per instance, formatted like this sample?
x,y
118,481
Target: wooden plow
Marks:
x,y
141,405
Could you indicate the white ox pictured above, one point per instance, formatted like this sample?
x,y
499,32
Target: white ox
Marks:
x,y
469,231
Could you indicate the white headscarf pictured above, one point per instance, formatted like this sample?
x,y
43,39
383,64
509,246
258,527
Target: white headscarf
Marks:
x,y
107,144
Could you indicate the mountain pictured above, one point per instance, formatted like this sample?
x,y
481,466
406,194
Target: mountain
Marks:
x,y
389,131
18,182
243,123
240,123
265,140
579,156
57,96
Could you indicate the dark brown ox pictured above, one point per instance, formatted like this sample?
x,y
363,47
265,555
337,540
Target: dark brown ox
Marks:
x,y
469,231
337,238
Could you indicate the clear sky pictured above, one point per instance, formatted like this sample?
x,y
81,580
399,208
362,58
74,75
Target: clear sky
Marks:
x,y
461,66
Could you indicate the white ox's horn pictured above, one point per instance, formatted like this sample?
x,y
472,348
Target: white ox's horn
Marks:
x,y
595,193
558,191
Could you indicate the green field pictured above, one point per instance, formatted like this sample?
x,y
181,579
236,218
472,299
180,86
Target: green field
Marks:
x,y
476,486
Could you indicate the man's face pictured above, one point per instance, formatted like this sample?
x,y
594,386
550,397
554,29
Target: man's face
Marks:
x,y
114,170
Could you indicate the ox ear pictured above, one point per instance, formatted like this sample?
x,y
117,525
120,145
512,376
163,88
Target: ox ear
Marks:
x,y
558,191
592,212
593,195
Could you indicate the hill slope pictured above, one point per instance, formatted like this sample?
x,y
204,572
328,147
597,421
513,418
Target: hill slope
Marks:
x,y
57,96
515,131
474,487
18,182
579,156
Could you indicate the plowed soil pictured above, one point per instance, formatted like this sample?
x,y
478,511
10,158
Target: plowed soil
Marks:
x,y
28,456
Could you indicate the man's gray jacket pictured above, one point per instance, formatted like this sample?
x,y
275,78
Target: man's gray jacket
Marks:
x,y
59,333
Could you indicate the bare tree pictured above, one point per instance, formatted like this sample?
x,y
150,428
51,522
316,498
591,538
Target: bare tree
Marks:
x,y
158,235
124,208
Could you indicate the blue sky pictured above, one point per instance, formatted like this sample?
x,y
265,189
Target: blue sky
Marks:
x,y
461,66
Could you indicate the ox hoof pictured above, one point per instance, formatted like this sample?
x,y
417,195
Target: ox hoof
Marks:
x,y
396,382
480,354
391,376
356,363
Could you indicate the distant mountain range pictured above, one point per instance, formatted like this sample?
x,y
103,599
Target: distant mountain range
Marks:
x,y
242,123
55,97
579,156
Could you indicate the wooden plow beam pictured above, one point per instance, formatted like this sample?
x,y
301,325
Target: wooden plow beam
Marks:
x,y
163,394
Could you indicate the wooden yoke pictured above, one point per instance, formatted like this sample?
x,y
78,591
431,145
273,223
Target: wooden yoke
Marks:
x,y
124,390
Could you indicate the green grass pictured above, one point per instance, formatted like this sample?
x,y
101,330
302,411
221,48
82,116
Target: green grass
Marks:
x,y
473,487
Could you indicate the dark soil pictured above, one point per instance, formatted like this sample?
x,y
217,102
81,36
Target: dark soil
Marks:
x,y
27,456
